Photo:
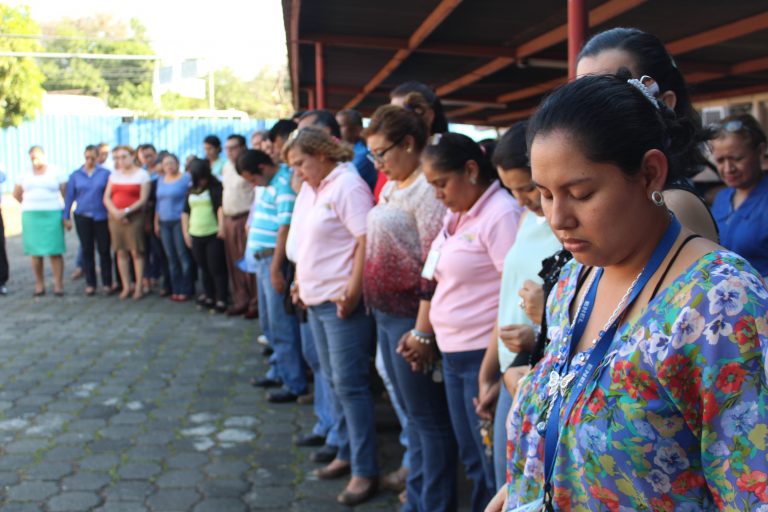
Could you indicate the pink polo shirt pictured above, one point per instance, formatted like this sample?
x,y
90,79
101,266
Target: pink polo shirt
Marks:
x,y
332,216
468,273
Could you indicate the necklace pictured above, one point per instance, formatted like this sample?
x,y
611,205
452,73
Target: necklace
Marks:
x,y
560,384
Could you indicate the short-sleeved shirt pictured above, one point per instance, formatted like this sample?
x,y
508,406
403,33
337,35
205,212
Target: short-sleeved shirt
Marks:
x,y
745,229
170,197
472,248
126,188
42,192
218,166
273,209
333,216
535,241
237,197
401,228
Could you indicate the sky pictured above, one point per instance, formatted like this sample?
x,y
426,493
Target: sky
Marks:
x,y
243,35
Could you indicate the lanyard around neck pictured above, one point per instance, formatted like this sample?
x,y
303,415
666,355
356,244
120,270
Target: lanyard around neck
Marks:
x,y
603,343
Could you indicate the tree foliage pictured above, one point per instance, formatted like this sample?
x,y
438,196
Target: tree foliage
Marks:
x,y
20,77
264,96
114,80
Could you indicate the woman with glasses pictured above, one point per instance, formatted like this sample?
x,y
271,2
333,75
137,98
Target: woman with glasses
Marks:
x,y
741,210
401,228
125,196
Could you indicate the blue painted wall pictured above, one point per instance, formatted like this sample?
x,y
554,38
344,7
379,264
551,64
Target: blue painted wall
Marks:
x,y
65,137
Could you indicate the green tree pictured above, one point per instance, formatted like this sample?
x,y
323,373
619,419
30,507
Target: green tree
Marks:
x,y
20,77
264,96
115,80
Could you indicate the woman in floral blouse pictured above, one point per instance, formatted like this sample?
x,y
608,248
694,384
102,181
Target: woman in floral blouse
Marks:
x,y
655,375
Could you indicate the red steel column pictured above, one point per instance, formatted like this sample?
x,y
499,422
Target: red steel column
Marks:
x,y
578,23
319,76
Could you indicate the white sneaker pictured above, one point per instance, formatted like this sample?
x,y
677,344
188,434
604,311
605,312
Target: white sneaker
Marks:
x,y
262,340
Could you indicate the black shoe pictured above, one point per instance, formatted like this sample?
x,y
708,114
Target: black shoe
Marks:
x,y
310,440
281,396
324,455
267,351
265,382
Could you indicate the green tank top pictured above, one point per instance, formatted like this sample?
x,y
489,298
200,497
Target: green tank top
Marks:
x,y
202,219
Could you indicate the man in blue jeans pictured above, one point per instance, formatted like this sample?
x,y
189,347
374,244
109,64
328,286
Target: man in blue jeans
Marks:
x,y
268,226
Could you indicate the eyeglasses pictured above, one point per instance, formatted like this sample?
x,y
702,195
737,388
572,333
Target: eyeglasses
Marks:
x,y
736,126
378,158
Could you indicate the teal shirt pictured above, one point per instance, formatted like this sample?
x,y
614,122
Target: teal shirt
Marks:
x,y
272,208
535,241
217,166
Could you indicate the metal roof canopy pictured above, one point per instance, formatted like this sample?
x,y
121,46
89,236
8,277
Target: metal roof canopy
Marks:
x,y
491,61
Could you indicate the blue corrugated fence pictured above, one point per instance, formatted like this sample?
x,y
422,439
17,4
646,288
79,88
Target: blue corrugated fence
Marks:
x,y
65,137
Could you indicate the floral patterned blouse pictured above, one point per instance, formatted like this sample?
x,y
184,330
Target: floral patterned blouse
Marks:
x,y
676,419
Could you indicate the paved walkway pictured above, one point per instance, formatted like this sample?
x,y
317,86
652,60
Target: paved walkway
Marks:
x,y
130,406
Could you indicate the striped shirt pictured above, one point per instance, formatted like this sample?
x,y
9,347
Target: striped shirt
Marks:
x,y
272,209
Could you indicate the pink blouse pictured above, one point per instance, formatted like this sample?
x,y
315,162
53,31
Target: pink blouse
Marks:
x,y
472,248
332,217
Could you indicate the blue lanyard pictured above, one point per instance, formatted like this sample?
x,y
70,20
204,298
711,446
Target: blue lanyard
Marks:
x,y
552,435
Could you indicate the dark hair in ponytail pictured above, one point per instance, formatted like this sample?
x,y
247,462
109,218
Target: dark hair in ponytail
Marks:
x,y
440,122
395,123
614,122
451,151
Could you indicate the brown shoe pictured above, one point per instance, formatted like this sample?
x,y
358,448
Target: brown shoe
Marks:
x,y
395,481
331,473
251,314
352,499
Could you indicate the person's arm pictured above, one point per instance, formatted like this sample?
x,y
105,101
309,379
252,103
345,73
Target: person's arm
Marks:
x,y
488,380
412,349
69,198
278,260
185,229
18,193
692,213
143,197
346,304
220,220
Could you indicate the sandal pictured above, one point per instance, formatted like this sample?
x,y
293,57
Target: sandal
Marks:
x,y
220,307
39,293
90,291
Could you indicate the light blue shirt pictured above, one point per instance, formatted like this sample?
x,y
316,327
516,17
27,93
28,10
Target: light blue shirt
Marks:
x,y
272,209
535,241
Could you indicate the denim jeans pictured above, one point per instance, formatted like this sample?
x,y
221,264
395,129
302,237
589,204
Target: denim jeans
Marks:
x,y
500,436
283,329
431,484
326,402
344,347
402,417
179,259
461,371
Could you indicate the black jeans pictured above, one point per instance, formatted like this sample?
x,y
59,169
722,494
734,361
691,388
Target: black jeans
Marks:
x,y
3,255
212,261
94,234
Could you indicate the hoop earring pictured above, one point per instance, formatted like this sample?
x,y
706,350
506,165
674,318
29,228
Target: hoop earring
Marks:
x,y
657,198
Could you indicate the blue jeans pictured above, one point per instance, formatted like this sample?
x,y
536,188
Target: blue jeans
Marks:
x,y
431,484
326,403
179,259
402,417
344,347
500,436
461,371
284,337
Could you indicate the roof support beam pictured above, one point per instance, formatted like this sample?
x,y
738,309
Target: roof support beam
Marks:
x,y
435,18
577,32
319,76
719,34
294,46
598,15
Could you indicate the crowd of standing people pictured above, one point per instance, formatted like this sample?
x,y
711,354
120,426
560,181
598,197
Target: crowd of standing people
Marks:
x,y
554,312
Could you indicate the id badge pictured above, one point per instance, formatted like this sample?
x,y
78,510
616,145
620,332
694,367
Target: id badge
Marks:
x,y
428,272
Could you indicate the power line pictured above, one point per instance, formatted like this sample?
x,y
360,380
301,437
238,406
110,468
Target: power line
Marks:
x,y
88,56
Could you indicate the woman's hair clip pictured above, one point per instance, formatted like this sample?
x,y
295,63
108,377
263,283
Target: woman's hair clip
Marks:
x,y
435,139
648,87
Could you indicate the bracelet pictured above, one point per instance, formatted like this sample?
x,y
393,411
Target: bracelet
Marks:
x,y
422,337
